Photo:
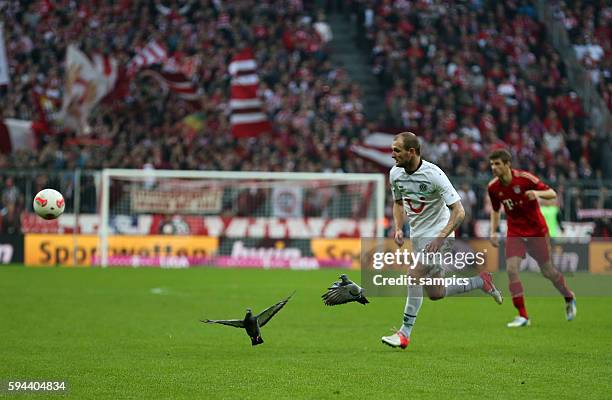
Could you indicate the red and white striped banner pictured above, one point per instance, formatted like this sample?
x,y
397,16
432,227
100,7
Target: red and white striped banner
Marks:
x,y
376,148
153,53
247,117
175,82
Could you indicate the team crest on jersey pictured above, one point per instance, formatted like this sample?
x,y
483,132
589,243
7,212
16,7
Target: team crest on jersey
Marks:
x,y
517,189
422,188
416,210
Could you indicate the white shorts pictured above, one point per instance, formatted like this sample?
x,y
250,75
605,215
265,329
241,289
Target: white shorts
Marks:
x,y
434,264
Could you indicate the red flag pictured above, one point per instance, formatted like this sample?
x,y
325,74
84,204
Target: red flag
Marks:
x,y
175,82
247,118
121,89
47,106
180,63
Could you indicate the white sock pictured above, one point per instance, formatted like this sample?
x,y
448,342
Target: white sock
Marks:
x,y
411,309
475,282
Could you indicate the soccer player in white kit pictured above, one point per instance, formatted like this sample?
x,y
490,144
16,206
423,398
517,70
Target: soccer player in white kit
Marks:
x,y
423,193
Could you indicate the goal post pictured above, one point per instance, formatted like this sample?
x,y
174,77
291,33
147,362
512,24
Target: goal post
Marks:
x,y
148,205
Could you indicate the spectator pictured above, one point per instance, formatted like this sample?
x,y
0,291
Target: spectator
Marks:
x,y
10,193
10,222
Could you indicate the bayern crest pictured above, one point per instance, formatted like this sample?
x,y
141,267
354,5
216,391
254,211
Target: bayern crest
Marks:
x,y
517,189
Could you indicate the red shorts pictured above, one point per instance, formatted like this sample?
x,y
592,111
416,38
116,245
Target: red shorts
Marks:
x,y
537,247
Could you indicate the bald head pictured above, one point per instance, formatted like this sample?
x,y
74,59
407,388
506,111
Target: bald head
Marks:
x,y
409,141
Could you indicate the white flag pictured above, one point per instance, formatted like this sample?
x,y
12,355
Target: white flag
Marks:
x,y
86,84
16,134
287,201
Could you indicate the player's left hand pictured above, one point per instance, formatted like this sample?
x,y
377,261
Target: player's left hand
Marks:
x,y
434,245
531,195
399,237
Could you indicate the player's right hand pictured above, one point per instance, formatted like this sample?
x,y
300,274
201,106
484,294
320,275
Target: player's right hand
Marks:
x,y
399,237
495,240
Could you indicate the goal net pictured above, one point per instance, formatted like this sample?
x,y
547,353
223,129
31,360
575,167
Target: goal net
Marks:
x,y
237,219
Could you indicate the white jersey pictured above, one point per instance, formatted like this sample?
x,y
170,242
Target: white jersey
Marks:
x,y
426,193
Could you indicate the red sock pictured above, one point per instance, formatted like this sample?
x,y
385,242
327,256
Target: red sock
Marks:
x,y
516,290
562,288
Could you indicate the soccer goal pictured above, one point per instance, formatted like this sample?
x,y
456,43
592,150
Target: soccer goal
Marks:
x,y
253,219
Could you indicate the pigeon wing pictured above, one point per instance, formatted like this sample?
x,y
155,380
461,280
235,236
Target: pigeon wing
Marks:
x,y
342,294
267,314
236,323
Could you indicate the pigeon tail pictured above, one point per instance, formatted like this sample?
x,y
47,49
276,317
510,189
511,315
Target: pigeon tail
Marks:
x,y
362,300
256,340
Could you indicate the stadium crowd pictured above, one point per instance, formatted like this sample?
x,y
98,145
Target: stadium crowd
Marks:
x,y
477,76
467,78
589,25
314,107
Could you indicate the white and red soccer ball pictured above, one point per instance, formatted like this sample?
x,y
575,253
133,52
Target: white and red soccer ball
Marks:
x,y
49,204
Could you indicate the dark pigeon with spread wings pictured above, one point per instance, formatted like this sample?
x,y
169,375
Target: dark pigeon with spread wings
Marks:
x,y
344,291
251,323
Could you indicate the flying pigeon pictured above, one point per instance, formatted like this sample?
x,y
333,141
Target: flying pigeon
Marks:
x,y
251,323
344,291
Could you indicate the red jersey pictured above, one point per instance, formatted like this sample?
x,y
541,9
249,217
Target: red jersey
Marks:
x,y
523,215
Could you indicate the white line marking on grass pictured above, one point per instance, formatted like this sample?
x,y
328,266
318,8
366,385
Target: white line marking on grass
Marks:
x,y
157,290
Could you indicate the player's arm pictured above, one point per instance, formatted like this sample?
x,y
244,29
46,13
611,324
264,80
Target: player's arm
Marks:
x,y
538,189
398,211
494,220
494,228
548,194
453,202
456,219
398,221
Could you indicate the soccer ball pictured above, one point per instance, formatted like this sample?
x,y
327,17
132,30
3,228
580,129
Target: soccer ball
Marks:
x,y
49,204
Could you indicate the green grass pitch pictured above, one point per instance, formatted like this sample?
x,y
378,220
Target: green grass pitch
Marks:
x,y
134,333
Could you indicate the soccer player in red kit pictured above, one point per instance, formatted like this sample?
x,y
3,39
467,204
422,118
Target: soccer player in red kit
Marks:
x,y
518,191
